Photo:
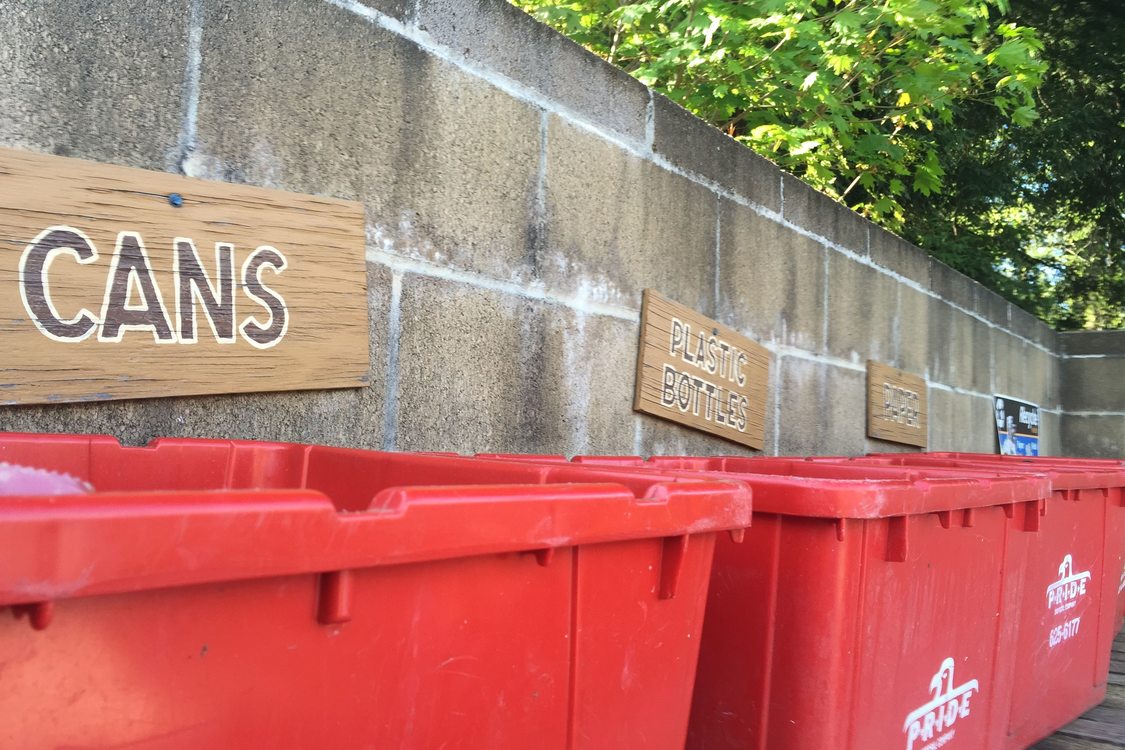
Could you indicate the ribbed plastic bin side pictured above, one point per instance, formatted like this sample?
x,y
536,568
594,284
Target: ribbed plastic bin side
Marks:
x,y
1073,574
232,594
871,607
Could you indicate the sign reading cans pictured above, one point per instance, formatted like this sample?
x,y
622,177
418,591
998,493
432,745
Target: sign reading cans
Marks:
x,y
124,283
700,373
896,405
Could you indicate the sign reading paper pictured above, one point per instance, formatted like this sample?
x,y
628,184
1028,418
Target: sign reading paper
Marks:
x,y
700,373
1017,427
896,405
123,283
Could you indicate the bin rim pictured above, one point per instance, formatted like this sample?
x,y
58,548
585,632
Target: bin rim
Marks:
x,y
1060,475
843,498
113,542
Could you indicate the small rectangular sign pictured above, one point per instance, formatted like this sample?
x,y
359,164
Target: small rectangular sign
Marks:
x,y
896,405
700,373
125,283
1017,427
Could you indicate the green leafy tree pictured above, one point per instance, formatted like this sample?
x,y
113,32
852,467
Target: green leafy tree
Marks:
x,y
845,93
1039,212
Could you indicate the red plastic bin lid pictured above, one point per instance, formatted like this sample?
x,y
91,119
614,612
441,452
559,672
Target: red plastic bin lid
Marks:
x,y
192,511
1063,474
801,488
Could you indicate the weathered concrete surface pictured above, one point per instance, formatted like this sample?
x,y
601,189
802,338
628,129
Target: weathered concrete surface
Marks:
x,y
1050,437
1094,384
862,312
617,224
771,280
1092,342
659,437
446,164
819,214
102,82
822,409
478,371
682,139
960,349
912,330
349,417
1094,436
1025,372
953,286
401,10
960,422
502,38
1024,324
482,371
896,254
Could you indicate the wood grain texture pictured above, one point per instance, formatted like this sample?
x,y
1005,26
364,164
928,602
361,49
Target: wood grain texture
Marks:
x,y
700,373
321,287
897,408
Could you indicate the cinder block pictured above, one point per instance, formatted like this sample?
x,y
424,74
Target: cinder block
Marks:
x,y
98,81
823,409
815,212
896,254
1032,328
912,332
617,224
1092,342
992,307
960,349
1050,438
961,422
953,286
1022,370
599,364
484,371
862,311
498,36
348,417
305,96
402,10
771,280
885,446
696,146
660,437
479,371
1093,437
1093,384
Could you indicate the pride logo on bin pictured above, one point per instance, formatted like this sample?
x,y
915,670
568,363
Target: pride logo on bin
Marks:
x,y
1064,593
933,722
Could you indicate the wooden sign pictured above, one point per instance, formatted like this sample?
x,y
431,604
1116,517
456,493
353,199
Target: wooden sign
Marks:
x,y
700,373
123,283
896,405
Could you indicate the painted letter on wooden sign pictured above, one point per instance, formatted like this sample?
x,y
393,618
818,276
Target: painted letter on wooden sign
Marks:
x,y
700,373
124,283
896,405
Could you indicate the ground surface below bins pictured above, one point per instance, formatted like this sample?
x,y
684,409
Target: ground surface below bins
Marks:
x,y
1103,727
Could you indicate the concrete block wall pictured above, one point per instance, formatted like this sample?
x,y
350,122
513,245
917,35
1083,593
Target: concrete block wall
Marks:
x,y
520,194
1093,376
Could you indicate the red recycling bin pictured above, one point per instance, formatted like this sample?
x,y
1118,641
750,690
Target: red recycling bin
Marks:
x,y
237,594
872,607
1073,574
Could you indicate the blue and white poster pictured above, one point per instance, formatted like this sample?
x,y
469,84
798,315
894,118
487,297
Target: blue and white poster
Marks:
x,y
1017,427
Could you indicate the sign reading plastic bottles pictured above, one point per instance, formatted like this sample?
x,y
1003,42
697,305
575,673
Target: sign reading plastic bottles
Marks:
x,y
1017,427
125,283
896,405
700,373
